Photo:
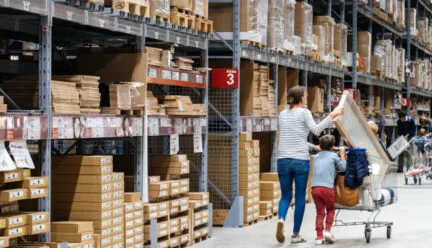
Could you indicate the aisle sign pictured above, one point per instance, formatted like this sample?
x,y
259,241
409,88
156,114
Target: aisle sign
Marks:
x,y
174,144
406,102
225,78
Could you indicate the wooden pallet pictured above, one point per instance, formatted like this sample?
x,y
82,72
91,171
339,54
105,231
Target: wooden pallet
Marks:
x,y
250,222
200,239
160,18
252,43
265,217
288,52
182,10
380,14
316,56
134,7
338,62
203,25
116,111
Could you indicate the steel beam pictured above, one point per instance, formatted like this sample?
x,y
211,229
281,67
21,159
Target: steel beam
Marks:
x,y
354,44
203,177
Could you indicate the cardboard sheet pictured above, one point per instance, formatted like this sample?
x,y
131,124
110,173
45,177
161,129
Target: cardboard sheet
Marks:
x,y
356,132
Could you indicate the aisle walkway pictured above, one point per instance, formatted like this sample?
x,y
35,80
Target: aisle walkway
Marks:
x,y
411,217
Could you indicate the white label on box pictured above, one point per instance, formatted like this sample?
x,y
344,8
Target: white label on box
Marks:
x,y
38,228
163,186
38,217
118,194
138,229
15,231
117,237
175,203
106,232
139,237
105,169
15,221
106,223
130,223
106,178
88,246
183,170
37,182
118,220
153,215
106,214
174,144
163,232
175,75
204,220
129,216
184,189
163,205
174,210
37,192
16,194
175,191
106,187
130,241
12,175
153,208
166,74
106,241
184,238
163,225
118,185
138,214
183,208
184,77
130,232
86,237
138,221
152,72
117,203
174,229
117,229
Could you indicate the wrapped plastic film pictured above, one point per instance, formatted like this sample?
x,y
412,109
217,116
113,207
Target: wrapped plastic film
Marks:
x,y
401,65
400,21
275,30
288,26
297,41
383,49
340,41
319,31
303,26
262,13
328,24
198,8
413,22
160,8
364,46
423,29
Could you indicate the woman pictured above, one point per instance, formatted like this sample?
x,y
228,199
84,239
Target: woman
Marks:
x,y
425,123
293,159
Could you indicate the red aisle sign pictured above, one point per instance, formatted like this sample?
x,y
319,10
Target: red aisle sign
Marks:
x,y
406,102
225,78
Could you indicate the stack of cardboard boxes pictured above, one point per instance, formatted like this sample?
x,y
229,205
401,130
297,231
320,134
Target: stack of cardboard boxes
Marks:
x,y
249,176
316,99
134,220
65,97
387,61
165,166
183,63
270,192
158,57
198,215
182,105
303,27
153,108
422,78
329,26
77,234
18,185
86,189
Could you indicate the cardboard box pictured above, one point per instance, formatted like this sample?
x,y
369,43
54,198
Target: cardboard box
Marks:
x,y
11,176
364,48
14,232
15,220
170,170
270,176
154,179
132,197
244,136
316,99
77,160
82,188
38,228
82,197
83,206
328,23
72,226
12,195
73,237
37,193
34,182
4,242
118,177
83,170
271,186
83,179
108,66
37,217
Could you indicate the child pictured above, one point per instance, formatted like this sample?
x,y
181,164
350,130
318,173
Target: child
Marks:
x,y
374,129
326,163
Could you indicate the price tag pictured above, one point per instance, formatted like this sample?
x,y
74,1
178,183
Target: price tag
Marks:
x,y
119,132
166,74
266,121
26,5
177,40
198,145
101,23
156,35
152,72
184,77
244,53
199,79
259,56
196,44
174,144
69,15
248,125
175,75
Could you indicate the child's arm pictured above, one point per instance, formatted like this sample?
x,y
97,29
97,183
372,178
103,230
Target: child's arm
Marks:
x,y
341,162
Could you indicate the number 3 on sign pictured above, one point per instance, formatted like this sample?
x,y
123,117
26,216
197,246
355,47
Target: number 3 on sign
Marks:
x,y
230,78
406,102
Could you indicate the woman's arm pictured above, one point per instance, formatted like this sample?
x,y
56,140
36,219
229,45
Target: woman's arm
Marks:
x,y
316,129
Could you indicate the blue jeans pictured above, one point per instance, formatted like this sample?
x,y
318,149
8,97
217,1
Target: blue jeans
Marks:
x,y
289,170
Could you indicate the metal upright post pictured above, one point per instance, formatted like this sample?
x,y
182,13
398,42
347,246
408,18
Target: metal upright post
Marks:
x,y
235,215
45,62
141,147
328,94
393,111
369,97
342,12
382,94
203,177
274,134
354,44
408,52
329,7
304,79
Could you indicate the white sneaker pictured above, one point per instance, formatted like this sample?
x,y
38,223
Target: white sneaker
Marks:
x,y
319,241
280,233
297,239
329,237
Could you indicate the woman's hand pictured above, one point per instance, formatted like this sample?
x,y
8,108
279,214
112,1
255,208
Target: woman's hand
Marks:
x,y
336,112
317,148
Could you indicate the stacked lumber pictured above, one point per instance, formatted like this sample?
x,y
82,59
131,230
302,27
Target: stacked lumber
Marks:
x,y
65,97
153,108
88,88
158,56
3,106
182,105
270,193
120,96
183,63
24,91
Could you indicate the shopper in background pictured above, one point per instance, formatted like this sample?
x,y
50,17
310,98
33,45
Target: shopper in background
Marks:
x,y
406,127
374,127
425,123
293,158
326,164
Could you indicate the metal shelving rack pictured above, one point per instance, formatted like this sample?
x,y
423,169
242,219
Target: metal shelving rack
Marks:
x,y
82,23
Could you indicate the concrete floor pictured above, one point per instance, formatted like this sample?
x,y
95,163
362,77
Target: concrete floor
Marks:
x,y
411,217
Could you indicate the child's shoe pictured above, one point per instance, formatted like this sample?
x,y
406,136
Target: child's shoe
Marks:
x,y
329,237
297,239
319,241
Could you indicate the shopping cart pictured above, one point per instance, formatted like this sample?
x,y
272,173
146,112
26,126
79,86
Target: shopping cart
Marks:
x,y
379,189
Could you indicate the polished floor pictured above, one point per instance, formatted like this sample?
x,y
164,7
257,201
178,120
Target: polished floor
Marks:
x,y
412,217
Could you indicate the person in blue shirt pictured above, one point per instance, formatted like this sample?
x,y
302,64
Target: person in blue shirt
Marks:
x,y
326,164
406,127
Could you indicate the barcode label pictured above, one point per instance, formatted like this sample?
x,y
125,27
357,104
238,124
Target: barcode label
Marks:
x,y
36,182
16,194
10,176
15,221
38,217
86,237
40,227
105,169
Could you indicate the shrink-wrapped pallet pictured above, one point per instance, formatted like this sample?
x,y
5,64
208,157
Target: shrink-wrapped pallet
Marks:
x,y
159,8
288,27
340,41
383,48
275,30
303,26
328,24
400,20
319,31
413,21
401,65
364,46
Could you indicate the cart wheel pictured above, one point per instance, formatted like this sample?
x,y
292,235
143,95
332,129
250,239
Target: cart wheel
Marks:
x,y
368,233
419,180
389,229
406,180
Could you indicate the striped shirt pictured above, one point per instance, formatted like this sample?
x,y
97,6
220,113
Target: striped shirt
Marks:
x,y
294,127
